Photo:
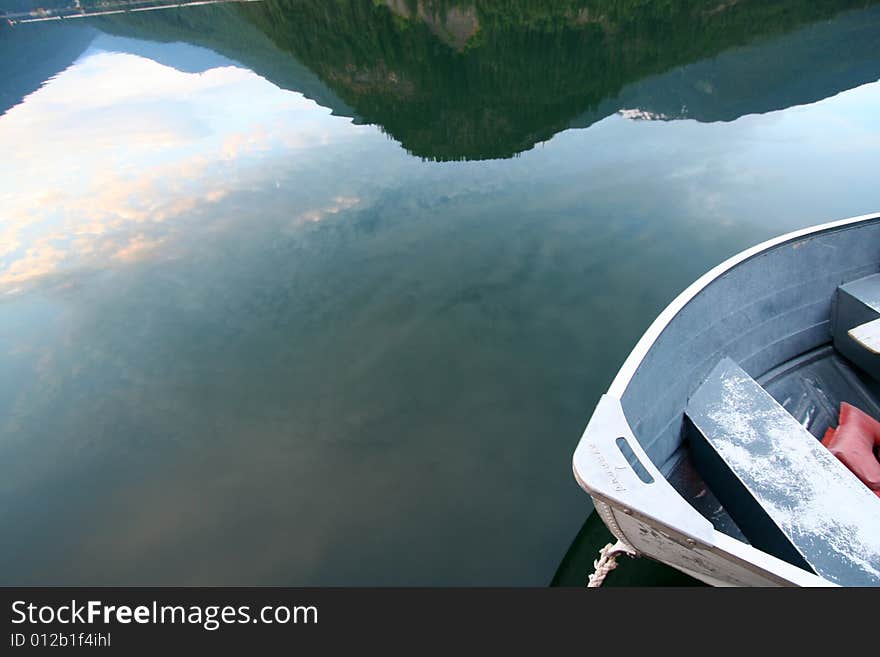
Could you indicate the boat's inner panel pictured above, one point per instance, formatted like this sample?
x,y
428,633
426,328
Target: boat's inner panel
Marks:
x,y
809,387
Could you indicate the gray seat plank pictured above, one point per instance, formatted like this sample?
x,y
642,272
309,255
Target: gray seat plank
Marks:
x,y
789,495
866,290
856,306
867,336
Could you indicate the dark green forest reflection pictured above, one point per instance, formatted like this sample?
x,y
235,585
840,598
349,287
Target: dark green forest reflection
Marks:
x,y
487,79
465,79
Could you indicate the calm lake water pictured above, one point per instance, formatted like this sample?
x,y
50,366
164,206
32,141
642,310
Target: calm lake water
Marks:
x,y
324,292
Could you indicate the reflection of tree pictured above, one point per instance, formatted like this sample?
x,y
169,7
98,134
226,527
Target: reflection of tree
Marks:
x,y
486,79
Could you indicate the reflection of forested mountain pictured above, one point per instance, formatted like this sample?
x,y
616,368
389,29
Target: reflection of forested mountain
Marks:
x,y
804,66
490,78
224,30
27,58
475,79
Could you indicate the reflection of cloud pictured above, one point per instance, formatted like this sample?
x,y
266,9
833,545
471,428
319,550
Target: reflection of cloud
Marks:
x,y
137,248
339,204
37,261
102,163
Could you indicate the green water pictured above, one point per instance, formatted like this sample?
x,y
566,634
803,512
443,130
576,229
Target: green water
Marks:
x,y
319,293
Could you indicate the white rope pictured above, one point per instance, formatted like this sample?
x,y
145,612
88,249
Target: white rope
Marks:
x,y
607,562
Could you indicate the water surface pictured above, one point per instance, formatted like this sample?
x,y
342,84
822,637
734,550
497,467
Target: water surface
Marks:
x,y
324,293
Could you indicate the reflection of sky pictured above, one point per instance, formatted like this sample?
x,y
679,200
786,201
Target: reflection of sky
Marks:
x,y
244,341
102,160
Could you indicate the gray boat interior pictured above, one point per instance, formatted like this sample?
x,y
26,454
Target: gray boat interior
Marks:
x,y
772,314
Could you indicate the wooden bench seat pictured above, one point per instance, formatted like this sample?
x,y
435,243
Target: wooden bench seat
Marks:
x,y
788,494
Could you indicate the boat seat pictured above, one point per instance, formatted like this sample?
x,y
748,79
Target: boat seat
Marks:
x,y
788,494
855,329
867,336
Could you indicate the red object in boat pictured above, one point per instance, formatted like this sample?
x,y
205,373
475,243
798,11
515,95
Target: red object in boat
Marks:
x,y
853,444
828,437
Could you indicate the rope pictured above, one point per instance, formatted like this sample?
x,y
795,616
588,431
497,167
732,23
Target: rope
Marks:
x,y
607,562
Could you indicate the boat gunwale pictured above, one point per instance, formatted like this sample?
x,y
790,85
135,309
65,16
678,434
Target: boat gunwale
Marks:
x,y
630,366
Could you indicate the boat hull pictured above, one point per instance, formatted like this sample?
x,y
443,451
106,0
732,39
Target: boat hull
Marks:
x,y
762,308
